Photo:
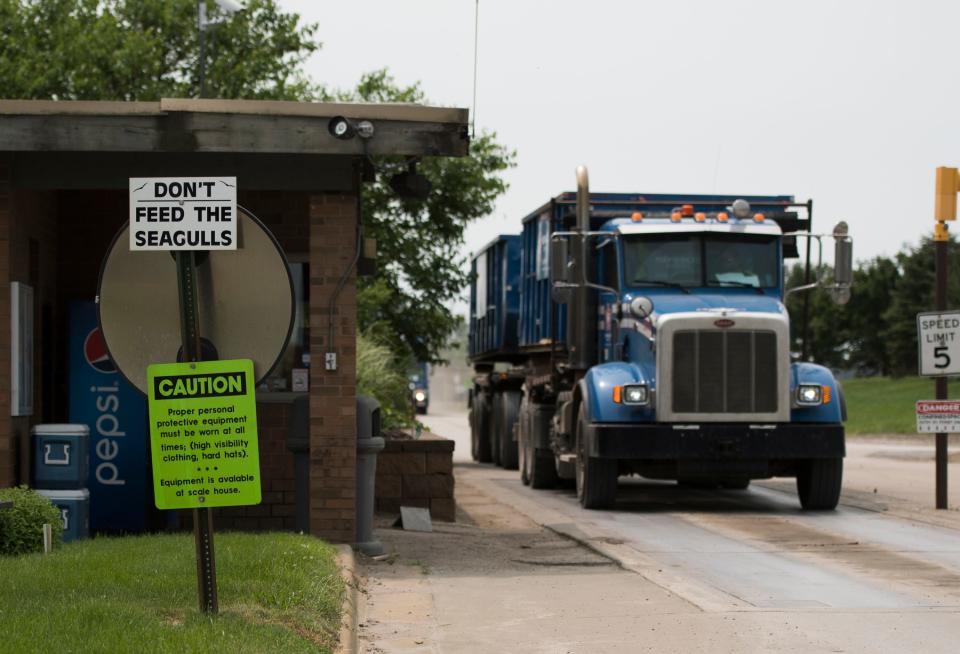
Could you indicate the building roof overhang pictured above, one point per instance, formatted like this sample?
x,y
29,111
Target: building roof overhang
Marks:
x,y
248,127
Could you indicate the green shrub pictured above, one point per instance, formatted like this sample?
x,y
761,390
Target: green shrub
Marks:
x,y
381,375
21,527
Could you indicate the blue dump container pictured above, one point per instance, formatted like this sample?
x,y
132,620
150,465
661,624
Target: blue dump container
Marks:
x,y
74,508
60,456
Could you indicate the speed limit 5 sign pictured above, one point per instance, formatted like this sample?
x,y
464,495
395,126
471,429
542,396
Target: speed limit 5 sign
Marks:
x,y
939,339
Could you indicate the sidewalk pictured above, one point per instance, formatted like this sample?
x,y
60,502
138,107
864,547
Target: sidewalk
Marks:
x,y
520,588
496,581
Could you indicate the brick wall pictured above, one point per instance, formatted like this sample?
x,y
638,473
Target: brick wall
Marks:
x,y
277,509
284,214
333,222
417,473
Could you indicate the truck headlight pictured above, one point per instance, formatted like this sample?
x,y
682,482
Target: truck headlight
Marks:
x,y
812,394
637,394
420,396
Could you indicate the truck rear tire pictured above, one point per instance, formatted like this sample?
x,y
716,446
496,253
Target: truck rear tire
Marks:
x,y
596,477
481,408
509,410
818,484
496,417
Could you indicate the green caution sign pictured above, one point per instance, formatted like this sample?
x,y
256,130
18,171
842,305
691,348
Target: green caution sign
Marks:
x,y
203,434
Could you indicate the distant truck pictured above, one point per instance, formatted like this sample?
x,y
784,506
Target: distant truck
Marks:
x,y
419,385
647,334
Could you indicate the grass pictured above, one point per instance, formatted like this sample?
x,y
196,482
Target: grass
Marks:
x,y
881,405
277,592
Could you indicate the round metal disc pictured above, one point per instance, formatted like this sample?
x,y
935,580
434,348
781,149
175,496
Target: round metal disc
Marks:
x,y
245,298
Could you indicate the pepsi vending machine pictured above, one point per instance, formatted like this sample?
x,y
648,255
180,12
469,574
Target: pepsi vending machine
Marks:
x,y
116,414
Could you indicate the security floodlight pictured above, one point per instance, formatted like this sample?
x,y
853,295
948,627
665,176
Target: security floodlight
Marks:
x,y
344,128
410,184
341,128
365,129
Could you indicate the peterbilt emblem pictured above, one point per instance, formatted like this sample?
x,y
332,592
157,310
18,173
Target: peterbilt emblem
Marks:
x,y
723,323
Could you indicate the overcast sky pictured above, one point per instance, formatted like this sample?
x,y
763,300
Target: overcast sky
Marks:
x,y
850,103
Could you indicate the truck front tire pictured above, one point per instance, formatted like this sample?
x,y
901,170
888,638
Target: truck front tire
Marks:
x,y
818,484
596,477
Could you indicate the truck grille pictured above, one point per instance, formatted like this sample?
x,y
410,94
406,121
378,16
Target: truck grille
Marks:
x,y
724,371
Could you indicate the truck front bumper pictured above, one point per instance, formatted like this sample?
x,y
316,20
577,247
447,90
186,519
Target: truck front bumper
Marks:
x,y
706,441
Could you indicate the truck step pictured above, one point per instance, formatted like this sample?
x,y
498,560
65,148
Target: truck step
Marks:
x,y
567,466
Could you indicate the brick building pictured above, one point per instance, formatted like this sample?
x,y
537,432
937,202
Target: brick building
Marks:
x,y
64,169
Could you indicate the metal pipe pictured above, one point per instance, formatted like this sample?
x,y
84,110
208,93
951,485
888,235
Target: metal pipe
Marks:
x,y
581,336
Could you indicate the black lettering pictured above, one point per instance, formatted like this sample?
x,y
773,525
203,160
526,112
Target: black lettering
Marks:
x,y
226,237
140,239
226,384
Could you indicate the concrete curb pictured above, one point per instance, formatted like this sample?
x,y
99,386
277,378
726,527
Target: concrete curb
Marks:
x,y
348,643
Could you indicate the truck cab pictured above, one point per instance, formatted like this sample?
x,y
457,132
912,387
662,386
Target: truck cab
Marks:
x,y
693,379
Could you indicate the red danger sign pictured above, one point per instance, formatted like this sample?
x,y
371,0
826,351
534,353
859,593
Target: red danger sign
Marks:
x,y
949,407
938,416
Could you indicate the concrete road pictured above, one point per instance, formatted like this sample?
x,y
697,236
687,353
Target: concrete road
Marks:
x,y
730,570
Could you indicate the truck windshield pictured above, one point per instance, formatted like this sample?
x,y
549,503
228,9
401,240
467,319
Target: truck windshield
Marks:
x,y
700,260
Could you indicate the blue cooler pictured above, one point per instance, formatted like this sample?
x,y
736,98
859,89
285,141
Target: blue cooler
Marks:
x,y
74,507
61,456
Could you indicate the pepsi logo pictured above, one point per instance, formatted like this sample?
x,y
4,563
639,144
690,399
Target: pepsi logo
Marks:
x,y
723,323
95,352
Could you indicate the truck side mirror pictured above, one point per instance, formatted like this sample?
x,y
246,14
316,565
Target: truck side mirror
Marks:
x,y
843,262
559,271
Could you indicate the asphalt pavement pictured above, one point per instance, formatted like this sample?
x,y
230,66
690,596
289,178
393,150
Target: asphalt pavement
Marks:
x,y
729,570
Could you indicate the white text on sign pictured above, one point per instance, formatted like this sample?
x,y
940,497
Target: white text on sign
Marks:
x,y
183,213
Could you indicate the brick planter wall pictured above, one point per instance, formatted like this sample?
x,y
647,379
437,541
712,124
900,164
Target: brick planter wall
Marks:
x,y
417,473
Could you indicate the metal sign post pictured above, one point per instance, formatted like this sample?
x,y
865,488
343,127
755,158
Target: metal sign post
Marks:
x,y
148,309
202,518
948,184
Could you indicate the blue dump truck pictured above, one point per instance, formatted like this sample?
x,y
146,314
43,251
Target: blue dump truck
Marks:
x,y
647,334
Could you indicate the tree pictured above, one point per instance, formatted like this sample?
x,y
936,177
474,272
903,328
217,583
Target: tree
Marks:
x,y
873,285
420,269
912,295
825,333
149,49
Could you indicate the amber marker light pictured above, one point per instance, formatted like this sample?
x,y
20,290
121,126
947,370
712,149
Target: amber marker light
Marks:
x,y
700,216
759,217
675,216
825,394
617,394
636,217
723,217
687,210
